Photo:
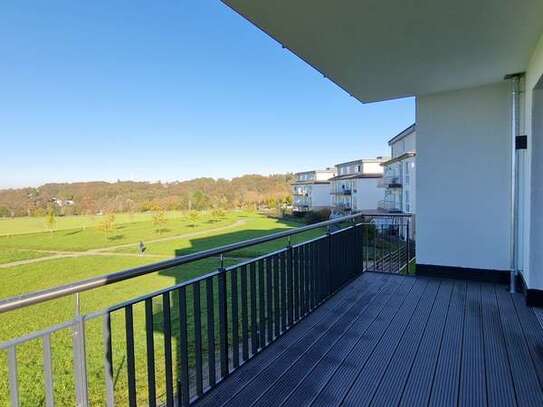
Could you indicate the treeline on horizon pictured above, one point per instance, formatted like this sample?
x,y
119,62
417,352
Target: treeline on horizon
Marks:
x,y
89,198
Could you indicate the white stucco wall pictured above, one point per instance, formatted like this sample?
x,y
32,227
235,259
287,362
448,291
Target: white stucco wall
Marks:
x,y
372,168
368,194
320,196
463,181
533,207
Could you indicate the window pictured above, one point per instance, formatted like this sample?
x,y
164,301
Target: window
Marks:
x,y
406,171
406,197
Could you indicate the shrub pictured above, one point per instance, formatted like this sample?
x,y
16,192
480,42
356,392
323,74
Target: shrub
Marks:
x,y
317,216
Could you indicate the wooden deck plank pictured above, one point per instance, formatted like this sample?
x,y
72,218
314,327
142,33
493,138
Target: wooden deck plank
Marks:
x,y
500,388
297,355
417,389
369,377
473,374
532,332
385,340
340,383
447,374
301,385
310,326
527,388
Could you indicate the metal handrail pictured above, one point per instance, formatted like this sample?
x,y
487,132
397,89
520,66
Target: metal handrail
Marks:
x,y
37,297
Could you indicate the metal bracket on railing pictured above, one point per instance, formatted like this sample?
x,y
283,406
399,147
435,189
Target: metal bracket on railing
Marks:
x,y
221,260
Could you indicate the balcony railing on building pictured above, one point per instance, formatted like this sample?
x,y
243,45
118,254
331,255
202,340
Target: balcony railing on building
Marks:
x,y
345,191
389,206
391,181
195,333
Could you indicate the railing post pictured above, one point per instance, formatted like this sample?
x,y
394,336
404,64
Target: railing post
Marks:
x,y
80,360
407,237
290,284
223,319
329,273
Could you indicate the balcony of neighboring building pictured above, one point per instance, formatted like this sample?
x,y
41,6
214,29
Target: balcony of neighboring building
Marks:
x,y
390,181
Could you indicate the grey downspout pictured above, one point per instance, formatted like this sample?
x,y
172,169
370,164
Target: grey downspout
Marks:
x,y
515,132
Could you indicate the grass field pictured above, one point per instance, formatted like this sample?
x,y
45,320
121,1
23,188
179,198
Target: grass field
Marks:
x,y
13,226
89,253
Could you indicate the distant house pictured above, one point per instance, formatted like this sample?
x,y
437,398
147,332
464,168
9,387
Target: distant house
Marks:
x,y
399,178
355,186
62,202
311,190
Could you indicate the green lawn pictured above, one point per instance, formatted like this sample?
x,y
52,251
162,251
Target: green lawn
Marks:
x,y
12,226
50,273
11,255
80,238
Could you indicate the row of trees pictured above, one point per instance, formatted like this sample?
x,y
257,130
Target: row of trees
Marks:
x,y
249,191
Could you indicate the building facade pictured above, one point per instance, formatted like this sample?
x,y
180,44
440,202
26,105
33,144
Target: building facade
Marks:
x,y
311,190
356,186
399,176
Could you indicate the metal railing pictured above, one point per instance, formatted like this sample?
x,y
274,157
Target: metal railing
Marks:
x,y
390,181
197,332
387,205
389,244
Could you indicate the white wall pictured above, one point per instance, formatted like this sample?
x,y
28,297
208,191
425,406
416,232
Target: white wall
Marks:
x,y
372,168
368,194
533,208
320,196
463,178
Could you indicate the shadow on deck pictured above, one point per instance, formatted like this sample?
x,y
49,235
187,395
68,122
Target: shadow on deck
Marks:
x,y
389,340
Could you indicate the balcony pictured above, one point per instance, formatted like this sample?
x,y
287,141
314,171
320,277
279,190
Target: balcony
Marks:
x,y
301,207
342,192
332,320
390,182
389,206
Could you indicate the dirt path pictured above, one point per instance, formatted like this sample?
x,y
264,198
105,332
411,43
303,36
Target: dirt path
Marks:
x,y
110,251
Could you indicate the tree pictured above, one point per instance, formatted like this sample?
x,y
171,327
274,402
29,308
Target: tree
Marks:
x,y
159,219
106,225
51,220
193,217
217,214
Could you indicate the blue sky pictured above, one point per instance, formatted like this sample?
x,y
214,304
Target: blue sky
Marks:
x,y
167,90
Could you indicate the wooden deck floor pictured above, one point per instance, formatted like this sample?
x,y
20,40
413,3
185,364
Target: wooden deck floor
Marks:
x,y
389,340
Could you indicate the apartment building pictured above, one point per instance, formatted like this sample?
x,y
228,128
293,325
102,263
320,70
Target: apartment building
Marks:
x,y
311,190
399,176
356,186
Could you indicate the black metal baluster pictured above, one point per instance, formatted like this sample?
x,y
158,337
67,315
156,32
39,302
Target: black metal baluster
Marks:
x,y
296,269
166,326
149,330
254,326
184,379
244,316
261,304
283,270
276,291
290,283
223,324
235,320
196,308
210,303
307,262
269,305
303,288
130,360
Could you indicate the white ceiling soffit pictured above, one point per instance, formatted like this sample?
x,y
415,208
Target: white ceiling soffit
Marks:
x,y
385,49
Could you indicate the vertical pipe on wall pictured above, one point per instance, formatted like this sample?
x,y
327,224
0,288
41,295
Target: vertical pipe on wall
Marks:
x,y
515,132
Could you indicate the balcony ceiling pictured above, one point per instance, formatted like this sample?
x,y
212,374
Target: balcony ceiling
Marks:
x,y
378,50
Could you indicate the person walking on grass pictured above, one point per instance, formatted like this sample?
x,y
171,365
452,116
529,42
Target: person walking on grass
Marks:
x,y
142,248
